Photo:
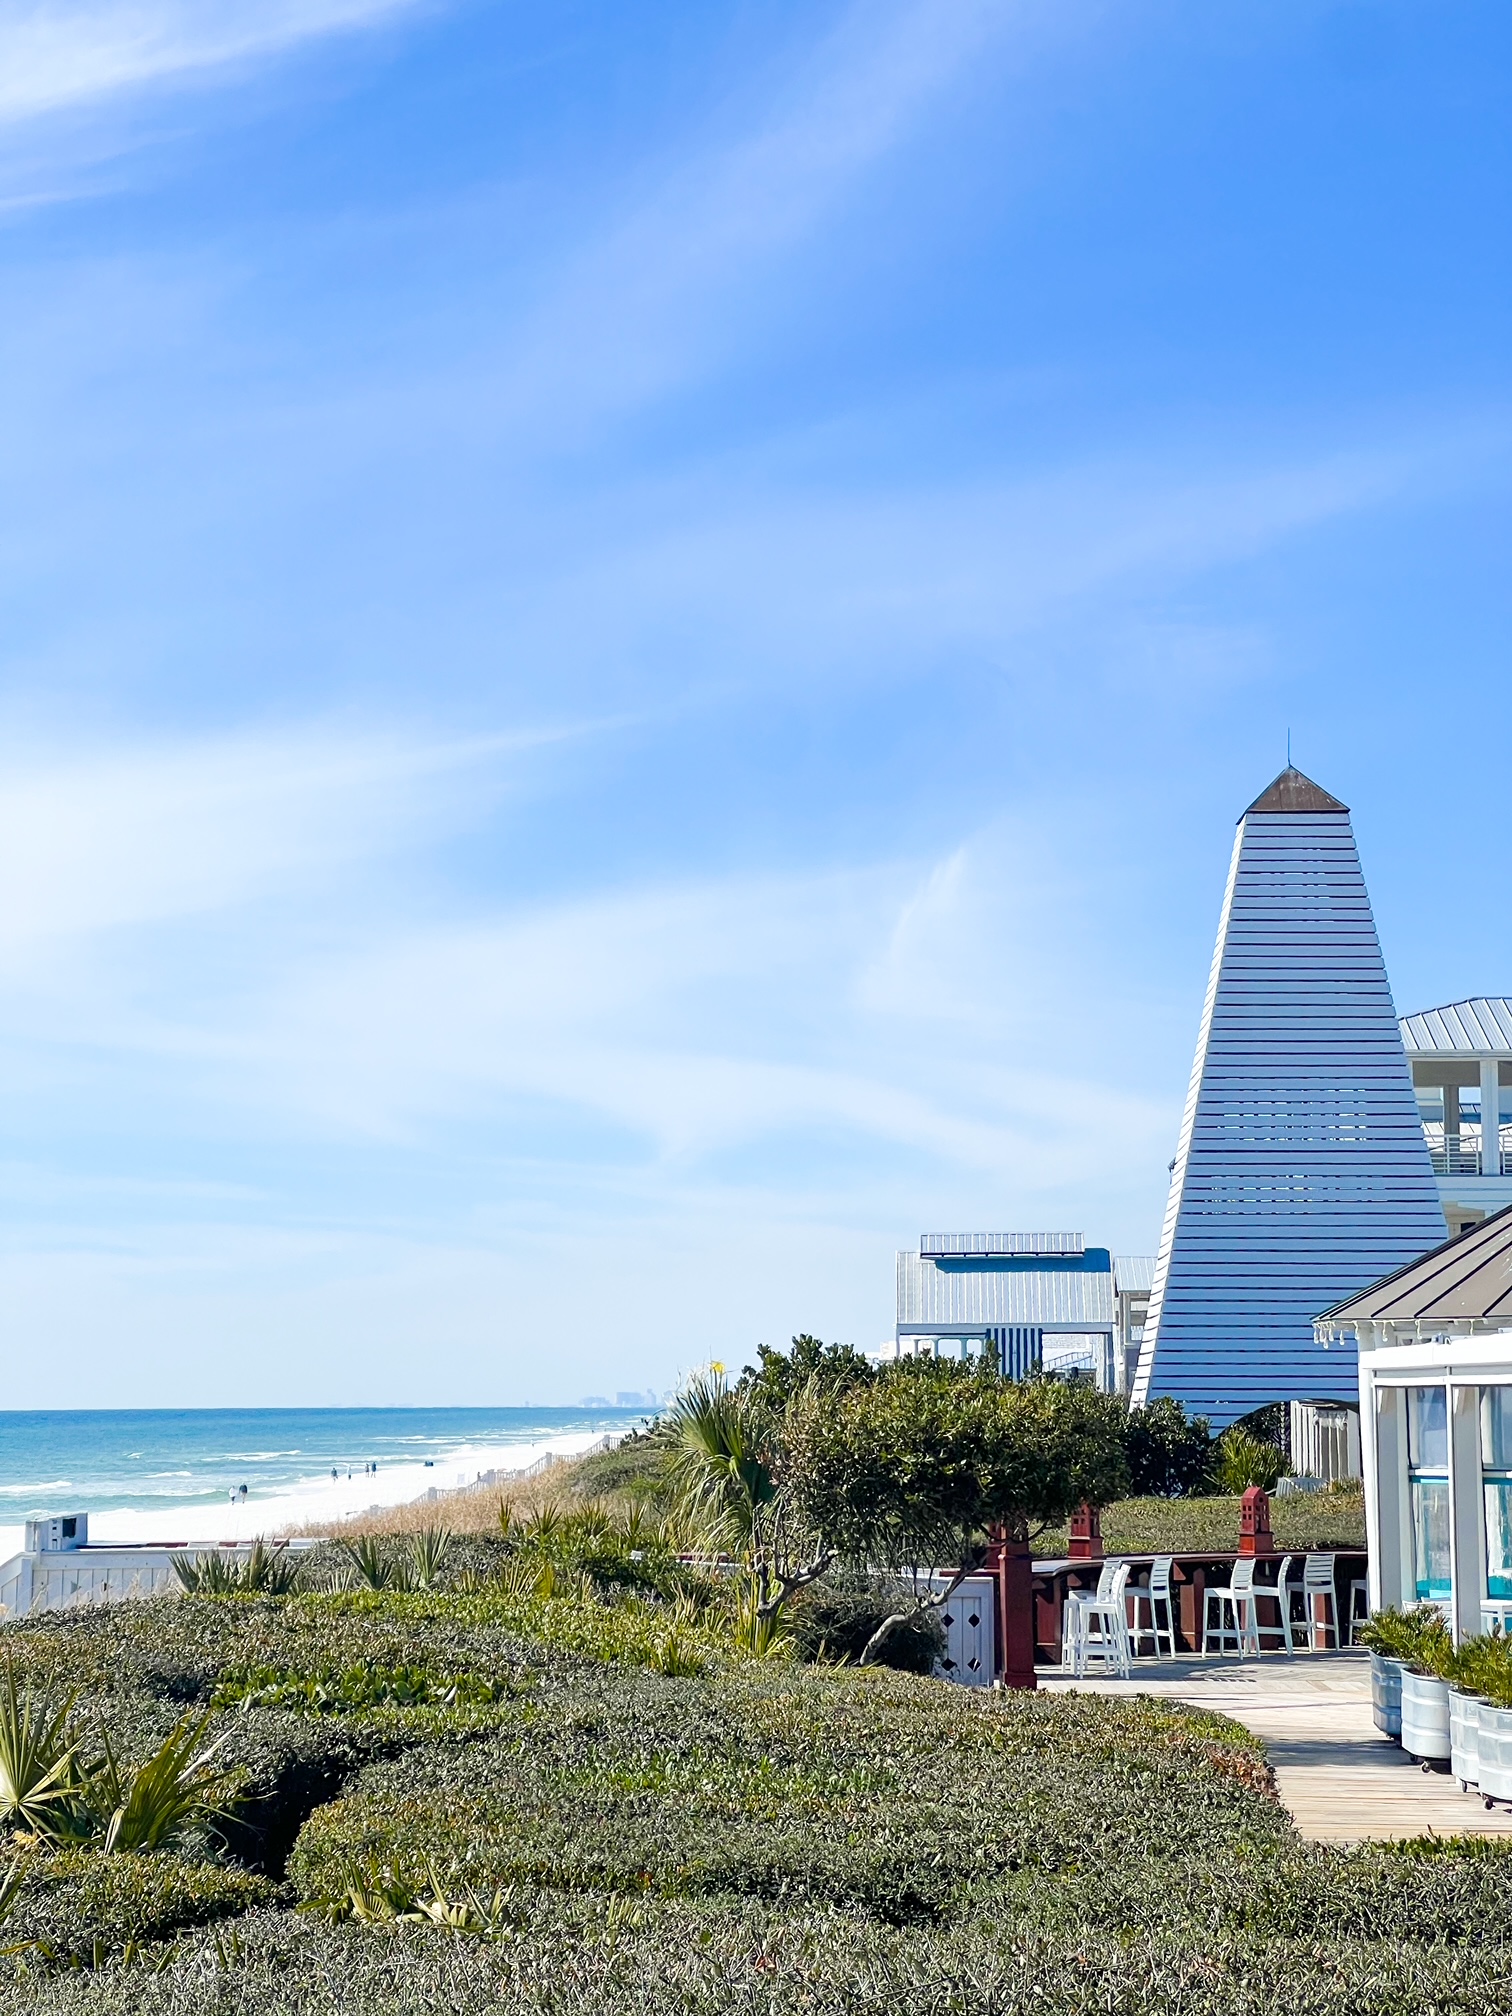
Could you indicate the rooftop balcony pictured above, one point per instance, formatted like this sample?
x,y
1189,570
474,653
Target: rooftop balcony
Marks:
x,y
1462,1154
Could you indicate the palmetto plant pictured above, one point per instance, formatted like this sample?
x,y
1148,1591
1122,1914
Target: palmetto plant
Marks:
x,y
759,1628
1243,1460
594,1522
371,1895
724,1468
721,1467
545,1523
427,1555
39,1778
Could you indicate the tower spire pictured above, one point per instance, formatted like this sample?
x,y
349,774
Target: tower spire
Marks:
x,y
1301,1173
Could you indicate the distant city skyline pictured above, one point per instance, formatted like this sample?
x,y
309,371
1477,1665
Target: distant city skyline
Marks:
x,y
629,641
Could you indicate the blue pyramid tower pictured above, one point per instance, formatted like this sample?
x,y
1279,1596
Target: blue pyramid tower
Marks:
x,y
1302,1173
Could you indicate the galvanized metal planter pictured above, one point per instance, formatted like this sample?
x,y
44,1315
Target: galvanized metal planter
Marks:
x,y
1464,1732
1386,1694
1494,1745
1425,1717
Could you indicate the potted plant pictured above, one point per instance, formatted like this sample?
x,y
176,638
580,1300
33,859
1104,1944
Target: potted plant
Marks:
x,y
1419,1644
1395,1639
1484,1668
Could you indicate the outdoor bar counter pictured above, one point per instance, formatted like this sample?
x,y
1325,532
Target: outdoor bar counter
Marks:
x,y
1191,1576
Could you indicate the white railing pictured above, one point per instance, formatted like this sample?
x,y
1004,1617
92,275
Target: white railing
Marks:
x,y
73,1577
1460,1154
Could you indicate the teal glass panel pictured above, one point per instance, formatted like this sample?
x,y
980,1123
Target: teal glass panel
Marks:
x,y
1427,1428
1430,1533
1496,1427
1499,1537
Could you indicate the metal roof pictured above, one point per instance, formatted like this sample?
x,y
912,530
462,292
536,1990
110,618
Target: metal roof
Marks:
x,y
1292,792
958,1245
1473,1027
1465,1278
1002,1293
1134,1273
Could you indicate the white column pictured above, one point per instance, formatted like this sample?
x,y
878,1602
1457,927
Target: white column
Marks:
x,y
1490,1117
1467,1541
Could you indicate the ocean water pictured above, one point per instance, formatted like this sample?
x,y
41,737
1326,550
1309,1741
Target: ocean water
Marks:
x,y
176,1473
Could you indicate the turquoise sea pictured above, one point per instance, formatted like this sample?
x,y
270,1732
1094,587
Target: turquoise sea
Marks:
x,y
178,1472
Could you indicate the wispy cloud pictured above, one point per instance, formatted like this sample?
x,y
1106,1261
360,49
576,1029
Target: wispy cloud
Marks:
x,y
682,1021
195,828
56,53
657,290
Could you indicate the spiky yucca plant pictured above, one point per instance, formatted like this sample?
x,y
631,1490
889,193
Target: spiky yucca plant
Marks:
x,y
154,1806
270,1571
427,1555
376,1568
208,1574
39,1780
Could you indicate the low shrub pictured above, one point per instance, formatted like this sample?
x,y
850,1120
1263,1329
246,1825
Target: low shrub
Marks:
x,y
329,1690
833,1620
581,1832
879,1793
76,1903
636,1466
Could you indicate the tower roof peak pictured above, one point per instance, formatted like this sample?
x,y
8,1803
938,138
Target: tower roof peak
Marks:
x,y
1292,792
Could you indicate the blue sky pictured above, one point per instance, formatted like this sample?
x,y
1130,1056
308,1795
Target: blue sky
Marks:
x,y
630,639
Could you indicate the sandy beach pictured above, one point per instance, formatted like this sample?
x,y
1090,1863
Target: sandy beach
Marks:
x,y
318,1498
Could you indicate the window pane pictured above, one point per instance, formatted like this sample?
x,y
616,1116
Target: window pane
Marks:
x,y
1430,1528
1499,1539
1496,1427
1427,1428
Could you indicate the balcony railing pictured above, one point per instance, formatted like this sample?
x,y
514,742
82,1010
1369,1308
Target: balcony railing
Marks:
x,y
1460,1154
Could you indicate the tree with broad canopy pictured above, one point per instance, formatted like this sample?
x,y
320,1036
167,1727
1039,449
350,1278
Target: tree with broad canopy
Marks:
x,y
914,1471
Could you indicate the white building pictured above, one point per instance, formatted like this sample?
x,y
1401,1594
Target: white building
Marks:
x,y
1461,1059
1435,1380
1028,1298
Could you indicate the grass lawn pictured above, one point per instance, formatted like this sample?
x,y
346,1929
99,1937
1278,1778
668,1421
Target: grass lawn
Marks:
x,y
622,1815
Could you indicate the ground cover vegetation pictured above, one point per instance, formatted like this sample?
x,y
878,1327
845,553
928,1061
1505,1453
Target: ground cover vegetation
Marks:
x,y
463,1798
577,1760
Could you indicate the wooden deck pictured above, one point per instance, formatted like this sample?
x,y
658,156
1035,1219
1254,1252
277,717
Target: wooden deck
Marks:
x,y
1338,1776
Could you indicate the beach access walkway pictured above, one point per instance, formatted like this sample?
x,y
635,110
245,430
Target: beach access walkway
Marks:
x,y
1338,1777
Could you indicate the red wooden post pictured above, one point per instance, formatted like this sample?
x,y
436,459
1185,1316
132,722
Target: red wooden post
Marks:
x,y
1255,1536
1013,1580
1086,1533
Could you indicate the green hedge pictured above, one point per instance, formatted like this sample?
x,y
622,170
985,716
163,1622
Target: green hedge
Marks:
x,y
1310,1520
745,1837
888,1796
78,1902
569,1958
